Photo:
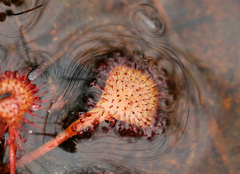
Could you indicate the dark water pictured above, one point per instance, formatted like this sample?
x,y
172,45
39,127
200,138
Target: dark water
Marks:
x,y
63,42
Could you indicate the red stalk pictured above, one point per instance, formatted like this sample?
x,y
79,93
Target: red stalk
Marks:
x,y
12,150
72,130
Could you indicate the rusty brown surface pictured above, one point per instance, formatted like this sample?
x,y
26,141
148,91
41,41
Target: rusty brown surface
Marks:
x,y
210,32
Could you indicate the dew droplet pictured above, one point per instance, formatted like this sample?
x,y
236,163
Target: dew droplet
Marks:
x,y
35,107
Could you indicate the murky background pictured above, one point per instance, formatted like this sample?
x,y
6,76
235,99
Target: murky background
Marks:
x,y
63,41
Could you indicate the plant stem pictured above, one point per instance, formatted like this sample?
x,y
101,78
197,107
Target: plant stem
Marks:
x,y
12,151
72,130
46,147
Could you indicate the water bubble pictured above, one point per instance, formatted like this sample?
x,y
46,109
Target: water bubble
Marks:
x,y
148,20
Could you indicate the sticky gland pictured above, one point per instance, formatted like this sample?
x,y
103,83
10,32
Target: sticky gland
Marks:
x,y
17,96
129,96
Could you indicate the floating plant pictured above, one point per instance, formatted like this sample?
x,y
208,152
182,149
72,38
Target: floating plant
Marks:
x,y
18,96
131,95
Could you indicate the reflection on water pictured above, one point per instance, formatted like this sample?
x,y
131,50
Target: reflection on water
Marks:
x,y
86,34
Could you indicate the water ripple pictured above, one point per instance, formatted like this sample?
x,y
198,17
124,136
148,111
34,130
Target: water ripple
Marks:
x,y
24,22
